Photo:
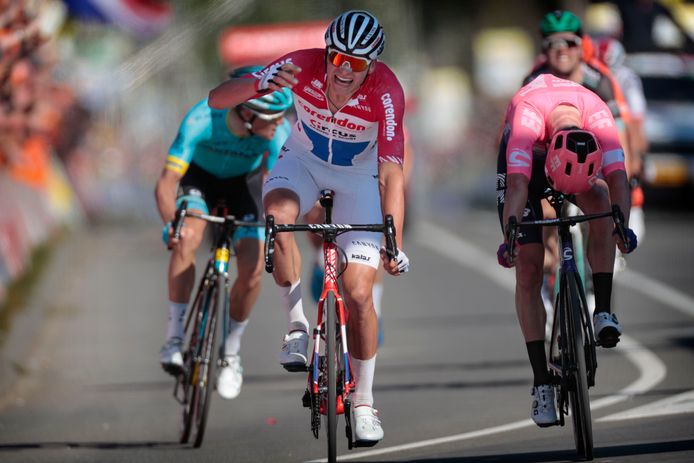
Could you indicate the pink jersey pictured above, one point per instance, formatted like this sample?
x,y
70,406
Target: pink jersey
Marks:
x,y
368,128
527,120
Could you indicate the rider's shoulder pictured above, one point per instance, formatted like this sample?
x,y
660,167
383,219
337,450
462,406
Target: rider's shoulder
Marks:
x,y
384,79
199,114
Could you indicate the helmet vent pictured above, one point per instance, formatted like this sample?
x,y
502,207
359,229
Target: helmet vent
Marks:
x,y
567,169
581,143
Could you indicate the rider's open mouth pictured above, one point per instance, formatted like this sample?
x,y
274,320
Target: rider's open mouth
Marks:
x,y
343,81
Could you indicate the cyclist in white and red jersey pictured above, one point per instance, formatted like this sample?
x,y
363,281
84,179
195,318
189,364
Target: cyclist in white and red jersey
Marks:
x,y
559,134
348,137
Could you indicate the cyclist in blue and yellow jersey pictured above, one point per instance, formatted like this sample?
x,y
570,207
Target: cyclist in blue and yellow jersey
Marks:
x,y
219,157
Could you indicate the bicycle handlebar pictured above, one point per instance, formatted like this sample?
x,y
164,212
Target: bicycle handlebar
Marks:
x,y
513,225
183,212
177,223
271,229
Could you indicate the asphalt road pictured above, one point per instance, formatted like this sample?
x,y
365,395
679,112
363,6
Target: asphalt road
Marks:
x,y
452,379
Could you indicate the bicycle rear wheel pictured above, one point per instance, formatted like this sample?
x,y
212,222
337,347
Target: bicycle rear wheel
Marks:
x,y
579,399
205,363
331,360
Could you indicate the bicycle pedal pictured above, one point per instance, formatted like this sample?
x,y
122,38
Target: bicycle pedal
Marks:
x,y
296,367
365,443
306,399
607,341
173,369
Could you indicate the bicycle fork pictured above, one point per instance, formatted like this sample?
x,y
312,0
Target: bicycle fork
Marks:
x,y
316,393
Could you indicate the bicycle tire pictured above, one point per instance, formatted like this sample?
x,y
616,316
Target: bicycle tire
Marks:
x,y
190,391
186,415
331,357
579,399
204,386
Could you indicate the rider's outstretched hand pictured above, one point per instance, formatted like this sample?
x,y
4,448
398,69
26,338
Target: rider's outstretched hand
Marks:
x,y
278,76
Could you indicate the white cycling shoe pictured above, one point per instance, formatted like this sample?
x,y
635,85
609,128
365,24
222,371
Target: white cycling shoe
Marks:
x,y
293,356
230,377
607,329
366,425
543,411
170,356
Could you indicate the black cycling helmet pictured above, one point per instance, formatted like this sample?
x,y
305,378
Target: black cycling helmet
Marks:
x,y
356,33
560,21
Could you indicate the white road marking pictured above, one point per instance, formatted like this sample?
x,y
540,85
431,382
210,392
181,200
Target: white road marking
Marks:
x,y
657,290
651,369
680,403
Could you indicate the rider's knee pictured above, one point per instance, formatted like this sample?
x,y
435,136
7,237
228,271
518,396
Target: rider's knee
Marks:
x,y
283,204
359,296
190,241
529,274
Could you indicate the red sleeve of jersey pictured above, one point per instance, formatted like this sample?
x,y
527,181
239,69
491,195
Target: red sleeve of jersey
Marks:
x,y
527,127
308,60
390,109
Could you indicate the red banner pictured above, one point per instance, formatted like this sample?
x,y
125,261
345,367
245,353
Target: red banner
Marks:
x,y
241,45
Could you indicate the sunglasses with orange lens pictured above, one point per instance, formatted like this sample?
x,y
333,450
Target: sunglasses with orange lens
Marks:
x,y
340,59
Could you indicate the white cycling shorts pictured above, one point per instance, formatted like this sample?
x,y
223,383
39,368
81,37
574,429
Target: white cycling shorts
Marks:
x,y
357,199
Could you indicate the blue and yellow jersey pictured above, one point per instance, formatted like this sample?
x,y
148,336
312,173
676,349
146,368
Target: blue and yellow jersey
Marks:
x,y
205,139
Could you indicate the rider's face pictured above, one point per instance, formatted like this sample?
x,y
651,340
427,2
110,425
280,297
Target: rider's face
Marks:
x,y
343,81
564,52
266,129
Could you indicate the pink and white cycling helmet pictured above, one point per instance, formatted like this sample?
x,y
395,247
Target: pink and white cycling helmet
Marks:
x,y
573,161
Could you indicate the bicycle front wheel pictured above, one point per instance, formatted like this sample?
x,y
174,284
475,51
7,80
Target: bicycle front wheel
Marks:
x,y
205,362
331,361
190,390
578,394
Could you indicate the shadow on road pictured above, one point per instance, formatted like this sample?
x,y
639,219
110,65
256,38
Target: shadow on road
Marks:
x,y
429,386
556,456
88,445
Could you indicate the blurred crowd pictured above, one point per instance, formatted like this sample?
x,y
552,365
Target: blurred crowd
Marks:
x,y
40,125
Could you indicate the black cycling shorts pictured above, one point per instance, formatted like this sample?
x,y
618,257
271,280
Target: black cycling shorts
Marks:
x,y
241,196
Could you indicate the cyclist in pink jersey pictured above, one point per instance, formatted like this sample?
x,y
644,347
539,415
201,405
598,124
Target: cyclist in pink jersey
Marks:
x,y
541,115
348,137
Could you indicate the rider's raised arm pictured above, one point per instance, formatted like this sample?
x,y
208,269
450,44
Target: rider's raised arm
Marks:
x,y
277,75
233,92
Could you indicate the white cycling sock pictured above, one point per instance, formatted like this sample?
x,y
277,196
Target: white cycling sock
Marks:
x,y
232,346
177,313
378,297
364,379
291,295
